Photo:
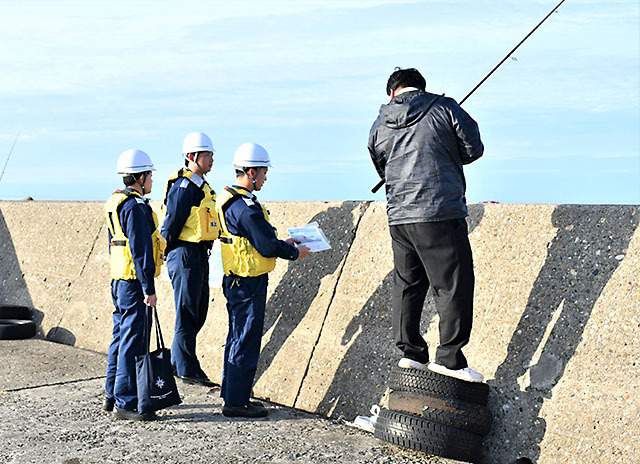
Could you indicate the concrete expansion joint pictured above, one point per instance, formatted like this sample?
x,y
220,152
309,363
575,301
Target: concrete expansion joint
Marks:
x,y
93,245
52,384
363,208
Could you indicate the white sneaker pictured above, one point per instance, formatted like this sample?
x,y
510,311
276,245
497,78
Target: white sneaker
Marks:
x,y
467,374
407,363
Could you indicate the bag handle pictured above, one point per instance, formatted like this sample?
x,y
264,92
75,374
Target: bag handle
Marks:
x,y
147,326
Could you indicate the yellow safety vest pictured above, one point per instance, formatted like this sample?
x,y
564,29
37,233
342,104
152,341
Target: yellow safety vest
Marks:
x,y
202,223
238,255
120,257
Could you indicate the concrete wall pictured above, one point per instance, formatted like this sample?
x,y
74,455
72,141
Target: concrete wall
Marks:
x,y
557,315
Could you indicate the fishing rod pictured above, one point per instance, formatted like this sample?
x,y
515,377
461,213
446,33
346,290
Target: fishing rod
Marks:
x,y
381,183
9,156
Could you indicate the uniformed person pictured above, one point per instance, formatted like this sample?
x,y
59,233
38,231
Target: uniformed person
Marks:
x,y
190,226
249,247
135,258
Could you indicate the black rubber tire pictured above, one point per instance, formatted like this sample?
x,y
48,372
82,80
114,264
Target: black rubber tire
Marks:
x,y
432,384
16,329
429,437
15,312
465,416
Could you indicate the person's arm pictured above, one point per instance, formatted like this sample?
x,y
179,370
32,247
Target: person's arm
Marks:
x,y
254,227
136,223
379,162
180,199
469,144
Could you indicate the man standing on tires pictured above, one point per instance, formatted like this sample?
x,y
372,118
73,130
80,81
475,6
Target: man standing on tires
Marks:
x,y
249,247
135,258
190,226
419,144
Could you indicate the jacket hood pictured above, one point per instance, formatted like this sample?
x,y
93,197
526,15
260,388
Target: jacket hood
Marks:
x,y
406,109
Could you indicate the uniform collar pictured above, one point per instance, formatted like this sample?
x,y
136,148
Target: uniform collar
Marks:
x,y
242,189
195,178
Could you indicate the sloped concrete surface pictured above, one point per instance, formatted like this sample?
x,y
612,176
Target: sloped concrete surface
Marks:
x,y
50,413
557,308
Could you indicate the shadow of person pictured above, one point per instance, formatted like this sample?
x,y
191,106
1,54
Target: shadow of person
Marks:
x,y
299,286
361,378
580,261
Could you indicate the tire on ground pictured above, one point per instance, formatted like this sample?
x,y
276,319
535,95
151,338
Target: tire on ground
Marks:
x,y
16,329
433,384
429,437
15,312
465,416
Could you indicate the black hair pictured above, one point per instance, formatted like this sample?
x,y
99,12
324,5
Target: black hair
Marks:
x,y
132,178
410,77
239,172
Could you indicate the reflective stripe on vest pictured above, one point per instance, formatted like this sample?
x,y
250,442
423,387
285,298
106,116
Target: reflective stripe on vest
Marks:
x,y
120,257
239,257
202,223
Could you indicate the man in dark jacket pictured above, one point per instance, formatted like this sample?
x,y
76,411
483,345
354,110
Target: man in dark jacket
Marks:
x,y
418,145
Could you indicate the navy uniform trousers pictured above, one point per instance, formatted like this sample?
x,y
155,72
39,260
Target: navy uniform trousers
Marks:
x,y
127,342
188,266
246,302
436,254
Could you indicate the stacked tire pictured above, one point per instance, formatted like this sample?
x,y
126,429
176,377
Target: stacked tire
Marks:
x,y
435,414
16,323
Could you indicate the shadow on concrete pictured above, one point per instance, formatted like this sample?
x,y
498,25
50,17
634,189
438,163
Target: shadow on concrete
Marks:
x,y
587,249
361,378
292,298
13,288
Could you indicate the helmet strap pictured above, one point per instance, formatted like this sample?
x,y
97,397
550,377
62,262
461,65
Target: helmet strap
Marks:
x,y
253,179
144,181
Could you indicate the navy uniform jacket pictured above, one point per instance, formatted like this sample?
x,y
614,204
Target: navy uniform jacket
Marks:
x,y
245,218
182,195
137,224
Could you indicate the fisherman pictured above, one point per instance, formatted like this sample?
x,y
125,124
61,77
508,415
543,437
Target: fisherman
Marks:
x,y
135,257
249,247
190,226
419,144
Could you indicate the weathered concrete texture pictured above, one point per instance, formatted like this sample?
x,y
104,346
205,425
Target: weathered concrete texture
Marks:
x,y
557,310
43,420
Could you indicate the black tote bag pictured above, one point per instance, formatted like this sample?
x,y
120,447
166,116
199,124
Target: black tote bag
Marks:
x,y
156,386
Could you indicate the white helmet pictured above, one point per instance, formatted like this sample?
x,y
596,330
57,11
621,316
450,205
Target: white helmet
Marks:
x,y
133,162
250,155
195,142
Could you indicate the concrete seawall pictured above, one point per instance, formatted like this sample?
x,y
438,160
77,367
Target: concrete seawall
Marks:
x,y
556,324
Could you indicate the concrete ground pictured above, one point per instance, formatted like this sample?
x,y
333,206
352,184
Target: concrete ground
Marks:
x,y
50,398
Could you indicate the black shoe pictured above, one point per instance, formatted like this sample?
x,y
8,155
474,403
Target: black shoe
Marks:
x,y
108,404
133,415
203,381
244,410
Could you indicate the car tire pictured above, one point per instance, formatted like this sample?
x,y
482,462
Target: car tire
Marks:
x,y
433,384
426,436
15,312
16,329
465,416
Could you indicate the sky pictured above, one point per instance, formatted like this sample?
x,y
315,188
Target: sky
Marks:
x,y
83,81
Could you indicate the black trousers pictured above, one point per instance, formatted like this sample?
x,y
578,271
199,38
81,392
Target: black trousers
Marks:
x,y
437,255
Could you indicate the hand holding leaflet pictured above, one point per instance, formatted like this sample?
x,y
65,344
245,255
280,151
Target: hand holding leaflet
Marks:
x,y
311,236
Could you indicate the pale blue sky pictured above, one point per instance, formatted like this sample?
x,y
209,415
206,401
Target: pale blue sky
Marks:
x,y
83,81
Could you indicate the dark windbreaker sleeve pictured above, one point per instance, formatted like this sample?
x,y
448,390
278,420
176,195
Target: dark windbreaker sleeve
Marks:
x,y
252,225
469,144
179,202
379,162
136,223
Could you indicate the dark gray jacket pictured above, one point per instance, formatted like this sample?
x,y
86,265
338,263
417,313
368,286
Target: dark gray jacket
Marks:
x,y
420,155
